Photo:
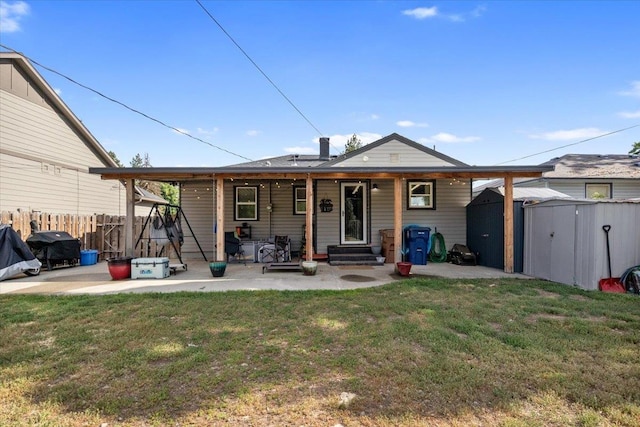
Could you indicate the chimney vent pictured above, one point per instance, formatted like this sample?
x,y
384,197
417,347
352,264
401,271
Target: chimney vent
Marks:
x,y
324,148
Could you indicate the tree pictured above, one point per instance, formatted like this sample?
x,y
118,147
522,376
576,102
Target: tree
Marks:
x,y
139,161
635,149
352,144
170,193
115,159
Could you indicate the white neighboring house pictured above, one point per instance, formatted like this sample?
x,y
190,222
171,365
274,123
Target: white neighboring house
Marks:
x,y
46,152
586,176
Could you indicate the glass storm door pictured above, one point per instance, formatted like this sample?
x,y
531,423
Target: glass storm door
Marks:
x,y
353,218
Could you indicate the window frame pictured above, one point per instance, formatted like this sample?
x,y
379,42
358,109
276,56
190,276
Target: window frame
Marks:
x,y
296,200
607,184
430,183
255,203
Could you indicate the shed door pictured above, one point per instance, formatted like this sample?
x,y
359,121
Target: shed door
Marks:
x,y
485,233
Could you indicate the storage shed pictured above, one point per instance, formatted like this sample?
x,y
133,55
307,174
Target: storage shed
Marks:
x,y
485,224
565,242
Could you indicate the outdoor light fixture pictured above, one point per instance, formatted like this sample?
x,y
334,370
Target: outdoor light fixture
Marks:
x,y
375,186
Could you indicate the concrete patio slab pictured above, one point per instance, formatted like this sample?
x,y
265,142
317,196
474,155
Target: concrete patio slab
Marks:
x,y
95,279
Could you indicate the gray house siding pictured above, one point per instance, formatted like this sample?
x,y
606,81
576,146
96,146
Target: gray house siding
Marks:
x,y
44,160
621,188
198,203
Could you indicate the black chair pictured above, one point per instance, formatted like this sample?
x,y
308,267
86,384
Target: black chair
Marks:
x,y
232,247
283,252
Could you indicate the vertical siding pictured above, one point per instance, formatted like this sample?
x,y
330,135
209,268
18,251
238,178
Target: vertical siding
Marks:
x,y
393,153
44,164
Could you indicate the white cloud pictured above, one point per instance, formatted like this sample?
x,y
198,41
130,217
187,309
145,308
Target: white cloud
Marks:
x,y
10,15
374,117
338,141
180,131
635,90
410,124
253,132
433,12
57,91
202,131
449,138
422,12
567,135
630,114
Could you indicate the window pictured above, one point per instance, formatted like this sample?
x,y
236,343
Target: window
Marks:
x,y
598,191
299,200
246,203
421,195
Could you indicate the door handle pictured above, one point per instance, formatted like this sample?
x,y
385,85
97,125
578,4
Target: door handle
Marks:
x,y
485,235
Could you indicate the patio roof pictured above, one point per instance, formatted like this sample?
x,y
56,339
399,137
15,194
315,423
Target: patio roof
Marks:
x,y
200,173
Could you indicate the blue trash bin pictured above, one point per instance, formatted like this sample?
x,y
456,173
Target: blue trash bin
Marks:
x,y
417,244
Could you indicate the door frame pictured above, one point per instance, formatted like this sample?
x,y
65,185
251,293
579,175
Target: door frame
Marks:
x,y
365,213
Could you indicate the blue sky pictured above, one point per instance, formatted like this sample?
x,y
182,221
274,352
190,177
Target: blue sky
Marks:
x,y
483,82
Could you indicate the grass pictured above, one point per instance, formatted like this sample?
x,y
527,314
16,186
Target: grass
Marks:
x,y
418,352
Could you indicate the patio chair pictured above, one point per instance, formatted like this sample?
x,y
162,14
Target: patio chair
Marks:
x,y
232,247
278,251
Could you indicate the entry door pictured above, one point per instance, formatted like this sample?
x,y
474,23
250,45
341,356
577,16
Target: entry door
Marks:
x,y
353,218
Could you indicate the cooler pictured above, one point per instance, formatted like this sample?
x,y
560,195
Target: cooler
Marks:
x,y
150,268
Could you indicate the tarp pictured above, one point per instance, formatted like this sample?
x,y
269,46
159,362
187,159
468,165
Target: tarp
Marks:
x,y
15,255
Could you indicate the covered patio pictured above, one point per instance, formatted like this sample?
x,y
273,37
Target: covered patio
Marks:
x,y
95,279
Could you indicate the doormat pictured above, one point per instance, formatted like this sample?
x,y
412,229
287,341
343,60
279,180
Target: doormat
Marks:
x,y
355,267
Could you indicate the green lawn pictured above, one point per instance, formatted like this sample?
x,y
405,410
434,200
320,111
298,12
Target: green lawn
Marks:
x,y
417,352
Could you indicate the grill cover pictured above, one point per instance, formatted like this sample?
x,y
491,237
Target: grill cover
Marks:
x,y
54,246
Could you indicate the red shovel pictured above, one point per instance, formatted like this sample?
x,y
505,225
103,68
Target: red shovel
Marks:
x,y
610,284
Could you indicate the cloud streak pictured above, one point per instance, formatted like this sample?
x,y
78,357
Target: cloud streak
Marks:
x,y
422,13
634,91
449,138
567,135
630,114
410,124
11,14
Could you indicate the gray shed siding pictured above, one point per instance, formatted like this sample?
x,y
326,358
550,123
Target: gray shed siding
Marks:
x,y
565,242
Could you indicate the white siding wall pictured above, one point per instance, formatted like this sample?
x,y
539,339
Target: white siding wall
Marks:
x,y
199,206
393,153
44,164
622,189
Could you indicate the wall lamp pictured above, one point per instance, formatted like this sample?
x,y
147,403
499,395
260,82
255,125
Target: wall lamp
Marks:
x,y
375,187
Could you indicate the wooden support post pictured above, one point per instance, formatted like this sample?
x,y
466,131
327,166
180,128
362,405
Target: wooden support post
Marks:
x,y
508,224
129,238
397,219
309,220
220,254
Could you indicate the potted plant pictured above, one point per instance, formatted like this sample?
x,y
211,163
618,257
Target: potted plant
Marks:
x,y
404,268
120,267
217,268
309,268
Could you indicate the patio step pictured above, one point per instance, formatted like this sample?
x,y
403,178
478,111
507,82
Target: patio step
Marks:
x,y
354,258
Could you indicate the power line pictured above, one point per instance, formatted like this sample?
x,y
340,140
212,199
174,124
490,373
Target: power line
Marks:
x,y
127,107
569,145
258,68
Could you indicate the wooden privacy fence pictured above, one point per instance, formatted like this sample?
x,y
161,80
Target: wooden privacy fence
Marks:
x,y
104,233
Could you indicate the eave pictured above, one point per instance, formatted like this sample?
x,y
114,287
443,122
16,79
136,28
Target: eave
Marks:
x,y
168,174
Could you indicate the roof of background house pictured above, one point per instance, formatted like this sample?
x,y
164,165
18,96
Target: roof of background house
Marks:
x,y
529,193
289,160
583,166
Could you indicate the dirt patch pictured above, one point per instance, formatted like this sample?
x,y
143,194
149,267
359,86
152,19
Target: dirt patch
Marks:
x,y
357,278
535,317
547,294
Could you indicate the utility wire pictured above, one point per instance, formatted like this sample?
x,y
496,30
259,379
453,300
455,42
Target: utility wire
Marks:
x,y
258,68
569,145
127,107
